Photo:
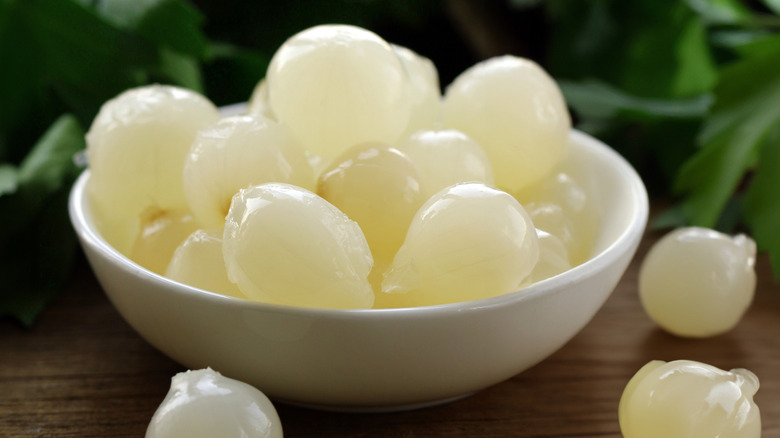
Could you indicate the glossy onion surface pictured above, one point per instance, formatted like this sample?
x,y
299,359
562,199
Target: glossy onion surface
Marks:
x,y
159,238
285,245
258,102
379,188
136,147
687,399
235,153
560,205
468,241
198,262
336,86
447,157
697,282
205,404
553,258
426,95
516,112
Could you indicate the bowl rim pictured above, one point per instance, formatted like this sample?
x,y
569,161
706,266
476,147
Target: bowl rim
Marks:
x,y
639,212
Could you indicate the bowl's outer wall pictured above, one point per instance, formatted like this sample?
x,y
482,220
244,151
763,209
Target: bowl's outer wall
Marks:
x,y
378,359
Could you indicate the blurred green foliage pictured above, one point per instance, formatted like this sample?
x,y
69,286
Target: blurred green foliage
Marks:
x,y
687,90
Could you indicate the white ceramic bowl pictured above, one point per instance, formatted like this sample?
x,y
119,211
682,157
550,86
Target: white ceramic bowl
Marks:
x,y
380,359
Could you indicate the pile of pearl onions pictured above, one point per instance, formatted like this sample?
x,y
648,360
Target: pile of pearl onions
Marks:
x,y
687,399
447,157
205,404
697,282
198,262
468,241
136,146
335,86
237,152
377,187
285,245
516,112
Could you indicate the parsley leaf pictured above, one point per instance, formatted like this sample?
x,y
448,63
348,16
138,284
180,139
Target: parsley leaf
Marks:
x,y
745,111
37,243
762,201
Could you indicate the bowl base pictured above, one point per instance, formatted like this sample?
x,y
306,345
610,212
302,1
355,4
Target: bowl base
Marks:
x,y
373,409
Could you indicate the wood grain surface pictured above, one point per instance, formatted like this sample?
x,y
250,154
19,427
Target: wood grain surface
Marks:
x,y
82,372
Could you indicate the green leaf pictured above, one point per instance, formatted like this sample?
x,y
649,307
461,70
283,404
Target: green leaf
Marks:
x,y
595,99
654,49
672,217
20,70
696,72
584,31
675,216
82,50
36,263
735,39
721,11
9,179
774,5
50,162
37,243
731,215
762,45
671,59
48,168
762,201
55,52
745,110
174,24
182,70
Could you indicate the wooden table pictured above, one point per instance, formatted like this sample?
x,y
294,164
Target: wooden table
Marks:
x,y
82,372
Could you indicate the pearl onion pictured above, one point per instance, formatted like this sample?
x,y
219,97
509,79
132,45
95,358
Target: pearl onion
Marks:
x,y
377,187
159,238
205,404
516,112
468,241
426,96
258,102
136,146
560,205
697,282
447,157
687,399
198,262
336,86
285,245
553,258
237,152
